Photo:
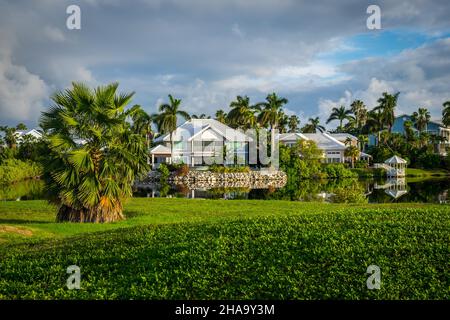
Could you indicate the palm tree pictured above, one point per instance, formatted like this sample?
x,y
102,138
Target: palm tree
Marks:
x,y
142,124
386,105
340,114
353,153
242,114
421,119
168,117
375,123
221,116
271,110
359,109
313,126
10,137
293,123
363,140
446,113
89,180
202,116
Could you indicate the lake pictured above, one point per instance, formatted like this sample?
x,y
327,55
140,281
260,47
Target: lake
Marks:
x,y
382,191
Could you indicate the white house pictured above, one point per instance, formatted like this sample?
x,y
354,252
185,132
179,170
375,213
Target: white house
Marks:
x,y
20,134
333,145
199,140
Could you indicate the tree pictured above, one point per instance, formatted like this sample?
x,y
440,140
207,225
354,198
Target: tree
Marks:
x,y
283,122
168,117
359,109
10,137
202,116
386,105
375,123
363,141
446,113
271,110
353,153
89,180
221,116
340,114
293,123
313,126
142,124
421,119
242,114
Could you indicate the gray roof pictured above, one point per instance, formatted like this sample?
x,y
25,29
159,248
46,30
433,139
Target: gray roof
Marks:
x,y
193,127
325,142
343,136
395,159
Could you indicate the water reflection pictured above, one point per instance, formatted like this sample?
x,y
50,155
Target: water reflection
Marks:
x,y
347,190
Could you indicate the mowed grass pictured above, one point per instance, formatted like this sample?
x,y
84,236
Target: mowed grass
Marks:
x,y
218,249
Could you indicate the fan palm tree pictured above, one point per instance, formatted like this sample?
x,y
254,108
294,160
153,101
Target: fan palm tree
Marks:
x,y
242,114
421,119
313,125
386,105
168,117
446,113
293,123
340,114
89,180
221,116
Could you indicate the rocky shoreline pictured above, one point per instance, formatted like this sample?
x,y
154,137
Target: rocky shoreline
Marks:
x,y
207,179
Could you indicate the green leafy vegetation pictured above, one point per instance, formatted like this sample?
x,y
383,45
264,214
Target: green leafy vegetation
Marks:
x,y
13,170
198,249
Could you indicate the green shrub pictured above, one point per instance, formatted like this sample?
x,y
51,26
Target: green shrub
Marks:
x,y
12,170
350,194
163,171
338,170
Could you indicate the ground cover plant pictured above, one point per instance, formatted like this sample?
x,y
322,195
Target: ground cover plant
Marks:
x,y
205,249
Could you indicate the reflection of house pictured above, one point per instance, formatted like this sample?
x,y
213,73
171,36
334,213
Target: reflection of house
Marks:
x,y
433,127
21,134
332,144
394,187
200,140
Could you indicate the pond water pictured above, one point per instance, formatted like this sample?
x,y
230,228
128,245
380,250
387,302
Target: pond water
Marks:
x,y
381,191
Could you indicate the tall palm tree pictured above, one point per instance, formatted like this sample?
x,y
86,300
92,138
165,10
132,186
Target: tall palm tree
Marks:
x,y
313,125
353,153
340,114
221,116
242,114
446,113
386,105
363,140
89,181
271,110
359,109
375,123
293,123
421,119
168,117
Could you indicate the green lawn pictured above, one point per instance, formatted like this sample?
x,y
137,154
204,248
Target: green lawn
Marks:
x,y
204,249
413,172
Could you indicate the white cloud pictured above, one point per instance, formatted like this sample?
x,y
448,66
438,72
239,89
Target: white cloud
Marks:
x,y
54,34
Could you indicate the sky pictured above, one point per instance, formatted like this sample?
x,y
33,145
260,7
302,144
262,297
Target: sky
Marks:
x,y
317,54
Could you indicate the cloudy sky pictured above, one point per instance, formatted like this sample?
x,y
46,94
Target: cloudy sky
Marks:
x,y
318,54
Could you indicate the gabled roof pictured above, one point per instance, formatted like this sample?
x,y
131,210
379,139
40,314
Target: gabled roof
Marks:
x,y
33,132
395,160
325,142
293,136
160,149
343,136
194,127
